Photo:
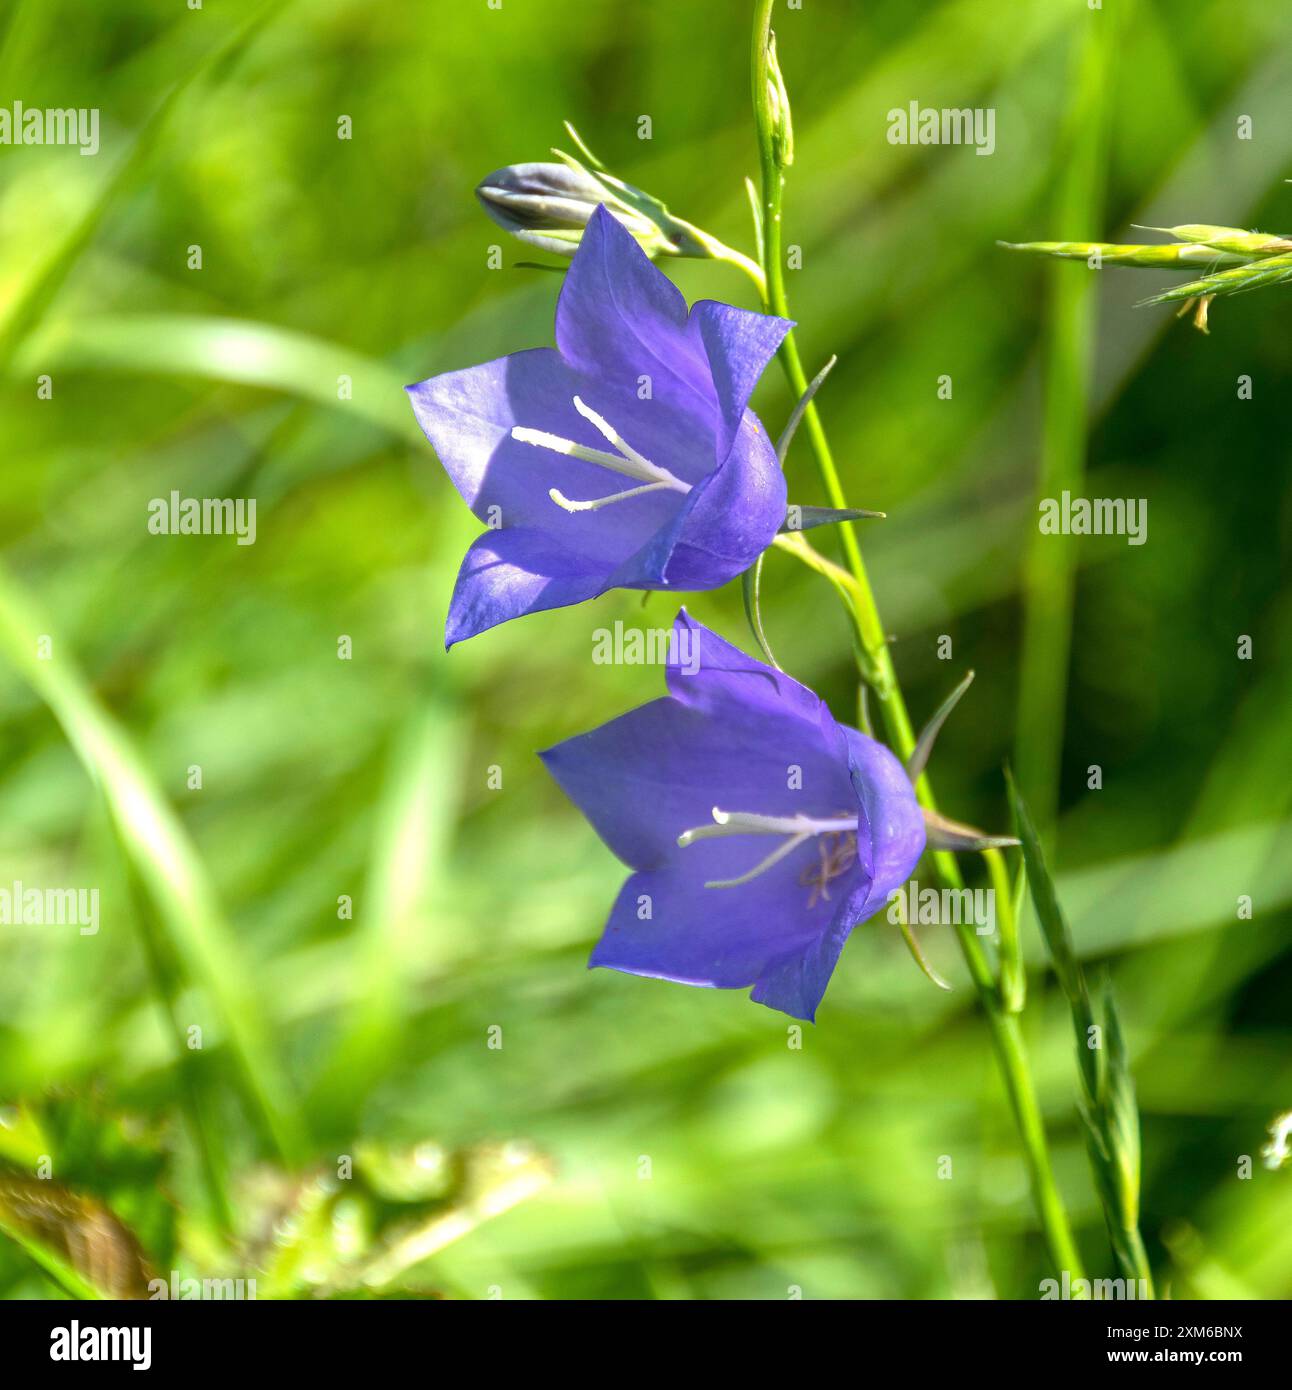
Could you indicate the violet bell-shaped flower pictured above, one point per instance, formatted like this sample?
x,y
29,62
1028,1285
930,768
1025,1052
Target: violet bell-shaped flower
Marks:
x,y
624,458
759,830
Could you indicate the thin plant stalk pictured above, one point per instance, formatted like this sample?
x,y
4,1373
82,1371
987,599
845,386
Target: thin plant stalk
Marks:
x,y
1013,976
1006,1034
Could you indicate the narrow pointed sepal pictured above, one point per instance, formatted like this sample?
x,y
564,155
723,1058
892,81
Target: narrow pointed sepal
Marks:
x,y
751,585
807,518
796,415
946,834
919,758
918,956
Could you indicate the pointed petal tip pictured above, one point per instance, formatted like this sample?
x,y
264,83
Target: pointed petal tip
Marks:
x,y
808,1017
456,631
604,219
551,757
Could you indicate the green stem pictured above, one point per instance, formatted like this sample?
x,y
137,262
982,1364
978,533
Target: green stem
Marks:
x,y
1013,978
1004,1027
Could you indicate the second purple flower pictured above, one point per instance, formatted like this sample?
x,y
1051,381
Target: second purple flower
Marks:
x,y
759,830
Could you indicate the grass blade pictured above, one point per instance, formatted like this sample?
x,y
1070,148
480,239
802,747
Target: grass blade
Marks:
x,y
1107,1101
167,863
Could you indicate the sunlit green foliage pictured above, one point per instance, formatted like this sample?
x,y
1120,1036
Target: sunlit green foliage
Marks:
x,y
771,1166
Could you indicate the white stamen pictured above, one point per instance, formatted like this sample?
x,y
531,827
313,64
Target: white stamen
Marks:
x,y
613,435
597,503
763,865
749,823
542,440
626,461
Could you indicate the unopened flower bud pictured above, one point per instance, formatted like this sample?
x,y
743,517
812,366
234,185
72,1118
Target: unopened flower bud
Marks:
x,y
778,100
548,206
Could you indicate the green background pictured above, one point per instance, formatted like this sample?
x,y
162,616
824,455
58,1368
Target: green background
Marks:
x,y
770,1167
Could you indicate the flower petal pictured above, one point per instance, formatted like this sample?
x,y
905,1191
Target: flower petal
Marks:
x,y
644,778
509,573
796,980
468,417
619,318
738,344
735,516
719,676
895,821
760,934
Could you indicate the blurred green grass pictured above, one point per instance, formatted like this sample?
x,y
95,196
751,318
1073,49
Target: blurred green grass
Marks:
x,y
474,908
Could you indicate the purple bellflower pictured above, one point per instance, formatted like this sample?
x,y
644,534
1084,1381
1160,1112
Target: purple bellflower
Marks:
x,y
540,443
693,789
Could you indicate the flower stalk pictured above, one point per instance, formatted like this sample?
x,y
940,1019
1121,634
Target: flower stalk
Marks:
x,y
771,116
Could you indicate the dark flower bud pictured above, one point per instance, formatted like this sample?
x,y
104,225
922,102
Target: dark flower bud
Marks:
x,y
547,206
